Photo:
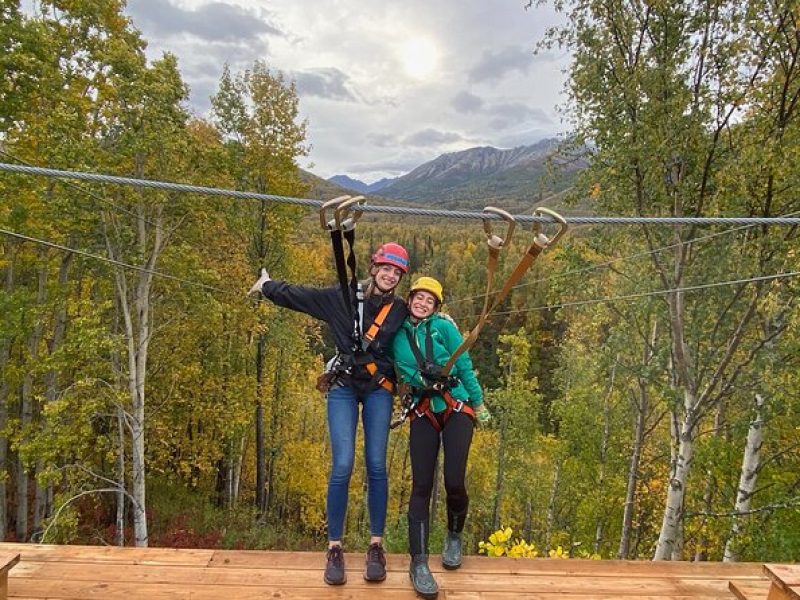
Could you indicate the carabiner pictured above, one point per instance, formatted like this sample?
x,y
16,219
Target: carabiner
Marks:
x,y
330,224
342,212
541,239
493,240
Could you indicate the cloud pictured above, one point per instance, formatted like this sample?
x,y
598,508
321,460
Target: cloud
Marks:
x,y
494,65
523,137
214,22
510,114
382,140
391,167
466,102
431,137
324,83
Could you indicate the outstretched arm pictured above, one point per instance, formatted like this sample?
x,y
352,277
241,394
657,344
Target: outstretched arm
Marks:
x,y
256,289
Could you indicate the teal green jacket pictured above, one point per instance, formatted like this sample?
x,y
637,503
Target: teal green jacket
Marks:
x,y
446,338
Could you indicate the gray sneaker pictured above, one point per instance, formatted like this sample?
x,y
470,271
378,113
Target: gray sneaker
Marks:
x,y
375,567
334,570
451,555
422,578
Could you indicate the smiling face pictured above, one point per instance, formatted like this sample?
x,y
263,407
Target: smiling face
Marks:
x,y
386,277
422,304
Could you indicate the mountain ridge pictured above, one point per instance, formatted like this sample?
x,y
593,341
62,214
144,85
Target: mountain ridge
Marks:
x,y
470,179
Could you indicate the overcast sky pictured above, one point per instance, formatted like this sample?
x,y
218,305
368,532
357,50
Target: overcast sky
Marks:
x,y
384,86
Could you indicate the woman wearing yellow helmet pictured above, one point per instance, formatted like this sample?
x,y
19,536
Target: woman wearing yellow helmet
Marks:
x,y
445,408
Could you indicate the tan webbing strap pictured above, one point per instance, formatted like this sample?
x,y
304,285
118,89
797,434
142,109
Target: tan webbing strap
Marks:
x,y
495,243
540,242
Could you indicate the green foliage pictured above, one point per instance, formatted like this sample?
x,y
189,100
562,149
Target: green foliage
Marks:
x,y
585,398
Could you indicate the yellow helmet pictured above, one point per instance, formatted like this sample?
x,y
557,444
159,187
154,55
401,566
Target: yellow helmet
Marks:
x,y
428,284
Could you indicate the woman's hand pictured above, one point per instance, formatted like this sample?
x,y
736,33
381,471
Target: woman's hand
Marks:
x,y
256,289
483,415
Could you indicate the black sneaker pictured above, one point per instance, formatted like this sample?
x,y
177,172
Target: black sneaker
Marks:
x,y
334,570
375,569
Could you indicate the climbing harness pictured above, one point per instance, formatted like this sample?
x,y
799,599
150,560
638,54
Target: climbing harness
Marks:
x,y
437,382
442,378
347,211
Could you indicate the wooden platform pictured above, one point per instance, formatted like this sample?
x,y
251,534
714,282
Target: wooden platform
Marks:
x,y
85,572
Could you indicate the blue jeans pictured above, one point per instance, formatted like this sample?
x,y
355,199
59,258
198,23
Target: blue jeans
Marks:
x,y
376,415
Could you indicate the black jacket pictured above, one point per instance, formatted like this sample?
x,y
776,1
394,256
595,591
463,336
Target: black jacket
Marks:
x,y
327,305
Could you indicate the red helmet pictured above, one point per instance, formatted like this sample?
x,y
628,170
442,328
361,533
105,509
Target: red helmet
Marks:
x,y
391,254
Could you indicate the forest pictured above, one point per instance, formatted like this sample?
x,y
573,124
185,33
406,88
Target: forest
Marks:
x,y
643,379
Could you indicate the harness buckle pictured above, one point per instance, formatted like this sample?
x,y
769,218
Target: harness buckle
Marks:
x,y
459,406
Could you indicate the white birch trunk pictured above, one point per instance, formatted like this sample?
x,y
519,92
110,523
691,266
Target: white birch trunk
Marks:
x,y
668,538
43,507
748,476
119,536
551,504
134,304
237,473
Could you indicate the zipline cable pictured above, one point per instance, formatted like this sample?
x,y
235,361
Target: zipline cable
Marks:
x,y
87,192
690,288
612,261
396,210
509,312
111,261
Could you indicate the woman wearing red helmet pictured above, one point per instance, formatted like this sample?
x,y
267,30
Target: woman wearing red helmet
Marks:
x,y
360,373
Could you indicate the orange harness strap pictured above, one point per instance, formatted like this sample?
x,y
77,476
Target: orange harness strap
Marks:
x,y
376,324
373,330
423,409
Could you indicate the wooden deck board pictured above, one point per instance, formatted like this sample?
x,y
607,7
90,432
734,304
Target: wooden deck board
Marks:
x,y
86,572
785,581
749,590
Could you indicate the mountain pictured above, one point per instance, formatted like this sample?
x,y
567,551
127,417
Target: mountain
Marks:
x,y
380,184
322,189
514,179
349,183
359,186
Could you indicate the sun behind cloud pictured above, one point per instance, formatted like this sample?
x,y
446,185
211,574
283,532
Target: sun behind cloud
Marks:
x,y
419,56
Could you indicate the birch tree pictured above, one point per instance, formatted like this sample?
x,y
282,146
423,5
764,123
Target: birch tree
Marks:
x,y
659,90
748,477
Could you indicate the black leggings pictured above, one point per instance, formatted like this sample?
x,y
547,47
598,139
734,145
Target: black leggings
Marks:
x,y
456,437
